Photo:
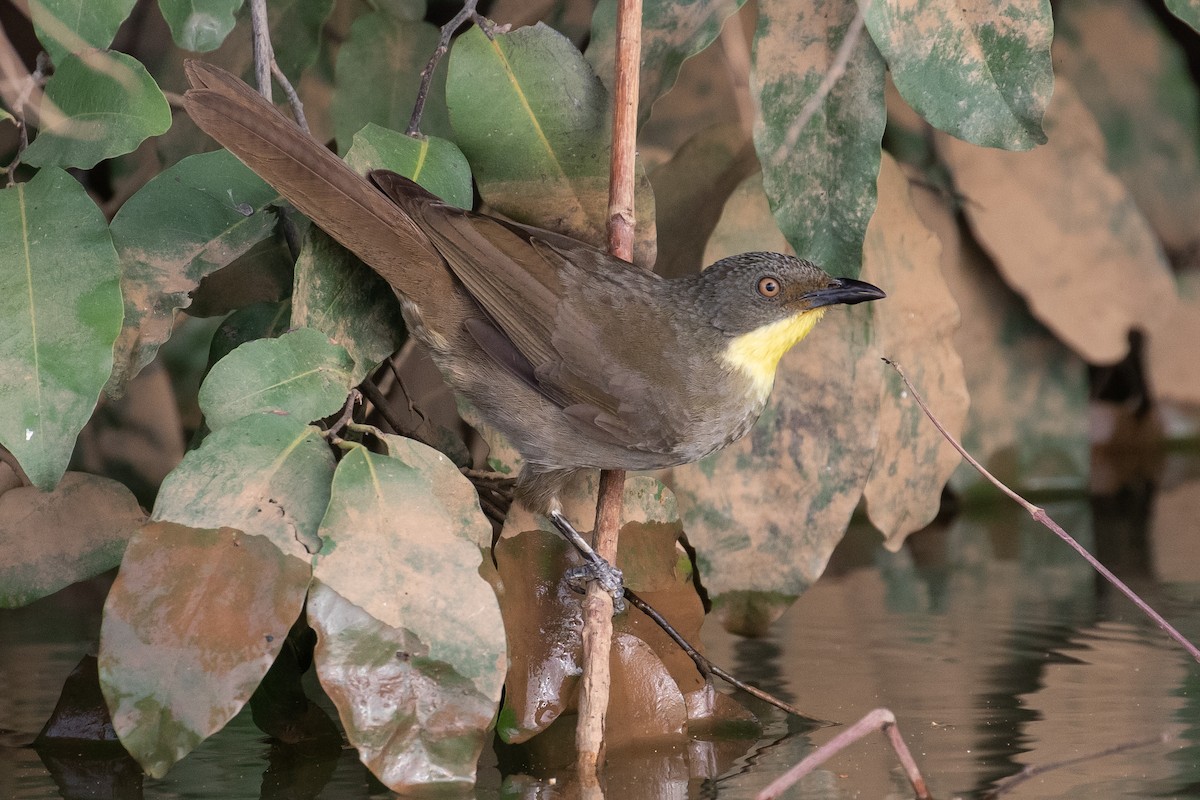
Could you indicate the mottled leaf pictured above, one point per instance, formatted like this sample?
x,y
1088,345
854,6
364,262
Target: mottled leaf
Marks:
x,y
671,33
106,105
265,474
301,374
378,73
402,540
1136,81
765,513
200,25
66,26
534,122
418,724
820,179
1065,232
60,312
915,327
977,69
347,301
188,222
191,625
49,540
436,164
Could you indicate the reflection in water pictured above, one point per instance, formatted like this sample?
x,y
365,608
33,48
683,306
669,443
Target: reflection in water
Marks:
x,y
996,647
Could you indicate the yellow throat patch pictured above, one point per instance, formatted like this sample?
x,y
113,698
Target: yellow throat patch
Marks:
x,y
757,353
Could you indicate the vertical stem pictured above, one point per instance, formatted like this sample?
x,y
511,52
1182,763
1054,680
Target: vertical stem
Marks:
x,y
597,607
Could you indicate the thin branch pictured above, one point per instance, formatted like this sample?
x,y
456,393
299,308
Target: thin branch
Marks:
x,y
1040,515
836,69
265,64
448,30
881,719
1013,781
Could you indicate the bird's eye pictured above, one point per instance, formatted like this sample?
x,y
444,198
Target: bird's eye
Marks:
x,y
768,286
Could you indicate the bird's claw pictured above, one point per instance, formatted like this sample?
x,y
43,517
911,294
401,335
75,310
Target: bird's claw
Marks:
x,y
610,579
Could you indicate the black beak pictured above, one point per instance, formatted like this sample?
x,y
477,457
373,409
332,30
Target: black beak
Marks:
x,y
846,291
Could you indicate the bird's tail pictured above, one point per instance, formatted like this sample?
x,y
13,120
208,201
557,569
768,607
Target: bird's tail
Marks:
x,y
318,183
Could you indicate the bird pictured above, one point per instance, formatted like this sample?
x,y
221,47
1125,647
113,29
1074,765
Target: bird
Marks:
x,y
582,360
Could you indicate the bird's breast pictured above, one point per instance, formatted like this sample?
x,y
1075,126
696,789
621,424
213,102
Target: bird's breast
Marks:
x,y
756,354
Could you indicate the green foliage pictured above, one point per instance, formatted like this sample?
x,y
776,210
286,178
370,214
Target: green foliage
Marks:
x,y
412,636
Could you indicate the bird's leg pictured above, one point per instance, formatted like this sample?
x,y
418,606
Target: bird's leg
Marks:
x,y
596,568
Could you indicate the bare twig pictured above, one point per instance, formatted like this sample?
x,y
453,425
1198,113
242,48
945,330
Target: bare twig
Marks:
x,y
347,416
880,719
1013,781
836,69
468,12
1040,515
706,667
265,64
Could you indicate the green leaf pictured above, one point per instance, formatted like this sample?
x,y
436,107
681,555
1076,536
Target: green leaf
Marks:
x,y
186,223
266,475
91,518
1186,10
106,104
60,312
257,321
411,519
976,69
436,164
821,184
200,25
384,51
191,625
5,116
347,301
417,723
1134,77
534,122
295,27
301,374
68,26
672,32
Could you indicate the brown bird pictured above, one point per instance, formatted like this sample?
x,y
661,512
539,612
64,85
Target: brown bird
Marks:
x,y
582,360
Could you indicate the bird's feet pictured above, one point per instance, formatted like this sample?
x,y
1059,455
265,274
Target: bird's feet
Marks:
x,y
596,569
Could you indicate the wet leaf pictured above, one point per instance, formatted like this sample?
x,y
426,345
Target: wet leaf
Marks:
x,y
979,70
671,33
822,184
1064,232
436,164
1028,419
189,221
534,122
402,537
350,303
543,622
107,104
1186,10
49,540
418,724
690,192
301,374
80,714
765,513
60,311
191,625
268,475
915,327
200,25
377,76
65,26
1134,77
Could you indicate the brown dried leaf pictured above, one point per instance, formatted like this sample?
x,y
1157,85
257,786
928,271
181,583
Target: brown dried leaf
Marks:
x,y
1028,417
1065,232
914,327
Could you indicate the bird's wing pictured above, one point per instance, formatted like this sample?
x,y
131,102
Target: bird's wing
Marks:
x,y
570,352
